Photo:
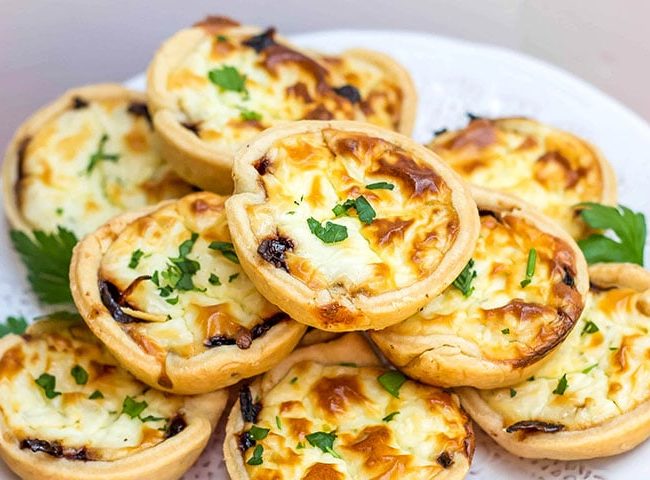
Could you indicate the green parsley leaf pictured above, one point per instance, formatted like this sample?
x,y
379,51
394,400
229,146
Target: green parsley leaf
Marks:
x,y
464,280
324,441
16,325
172,301
300,446
505,331
256,459
214,280
151,418
628,227
250,115
222,38
95,395
47,258
380,186
185,248
135,258
258,433
590,327
79,374
278,422
330,233
228,78
133,408
179,272
513,393
365,212
227,249
339,210
389,417
233,277
100,155
530,268
48,383
392,381
590,368
59,211
562,385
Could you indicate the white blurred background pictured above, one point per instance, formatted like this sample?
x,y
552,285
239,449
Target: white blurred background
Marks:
x,y
48,46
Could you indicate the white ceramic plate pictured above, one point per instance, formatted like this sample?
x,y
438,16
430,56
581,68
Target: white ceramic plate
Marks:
x,y
452,78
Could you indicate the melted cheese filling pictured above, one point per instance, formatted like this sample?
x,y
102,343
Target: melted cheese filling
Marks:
x,y
222,302
72,419
56,187
501,320
350,401
309,174
274,91
551,170
607,372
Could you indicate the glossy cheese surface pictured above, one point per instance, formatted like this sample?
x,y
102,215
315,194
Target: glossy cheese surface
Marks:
x,y
550,169
430,432
307,175
84,428
65,180
501,319
180,292
273,83
605,360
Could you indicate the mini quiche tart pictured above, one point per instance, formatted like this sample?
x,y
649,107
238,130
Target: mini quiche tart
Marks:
x,y
83,159
215,86
517,299
592,398
549,168
318,416
69,411
164,290
347,226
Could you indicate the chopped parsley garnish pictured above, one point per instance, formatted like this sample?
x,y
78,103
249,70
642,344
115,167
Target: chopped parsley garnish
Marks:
x,y
250,115
79,374
392,381
530,268
101,155
380,186
135,258
228,78
233,277
227,249
365,212
256,459
172,301
464,280
590,327
96,395
300,446
16,325
222,38
48,383
179,272
324,441
133,408
562,385
258,433
278,422
590,368
505,331
389,417
47,258
628,227
330,233
59,211
151,418
293,380
513,393
214,280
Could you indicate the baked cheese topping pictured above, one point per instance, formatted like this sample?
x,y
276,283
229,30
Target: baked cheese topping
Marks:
x,y
63,394
599,372
365,432
91,162
174,282
548,168
234,84
352,212
503,319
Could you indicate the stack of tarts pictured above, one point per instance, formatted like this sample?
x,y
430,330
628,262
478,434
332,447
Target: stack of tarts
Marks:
x,y
259,202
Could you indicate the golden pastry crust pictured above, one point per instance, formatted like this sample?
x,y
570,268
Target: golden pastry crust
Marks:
x,y
547,167
56,139
339,390
182,317
358,271
501,332
201,125
601,407
167,460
